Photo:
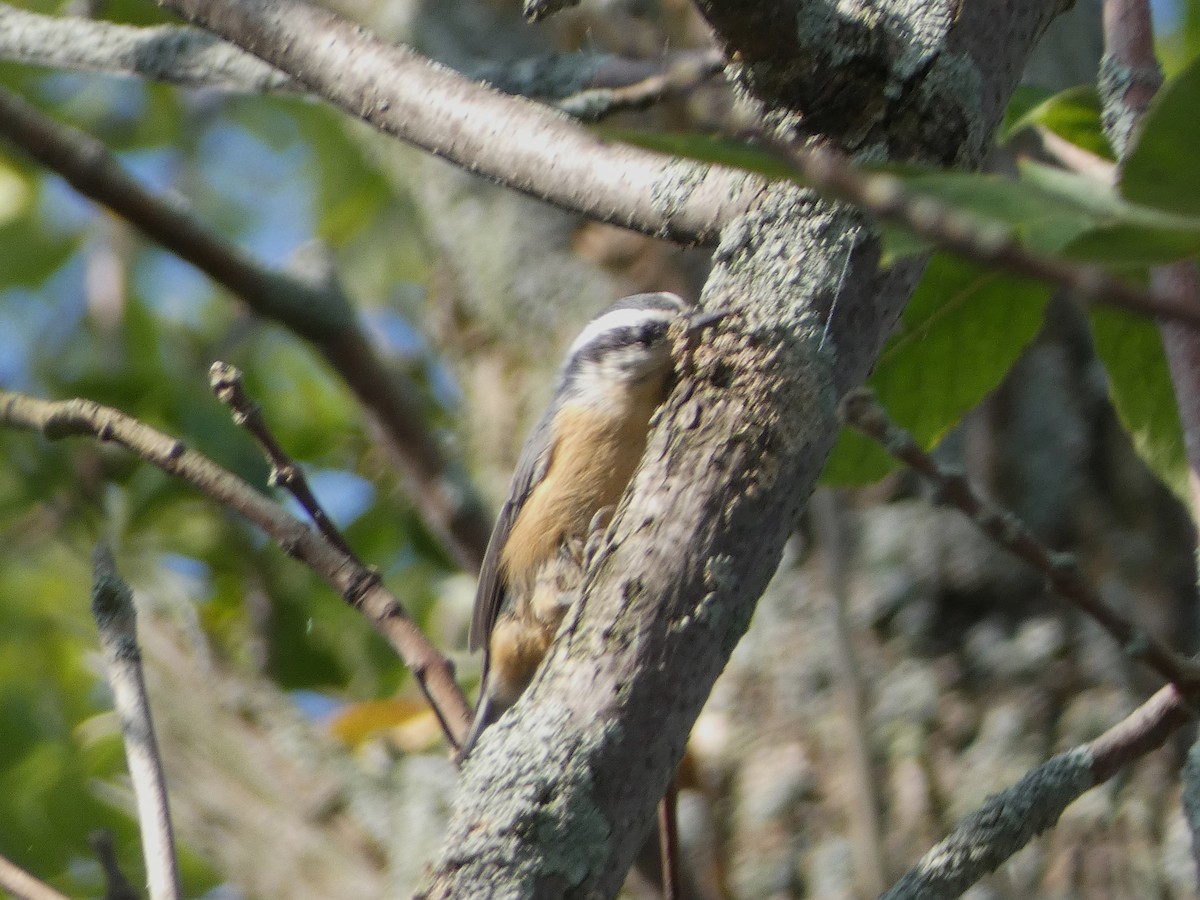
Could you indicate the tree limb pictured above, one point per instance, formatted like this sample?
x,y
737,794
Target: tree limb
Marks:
x,y
1129,79
584,85
560,792
542,154
886,198
1061,570
358,586
308,300
1007,821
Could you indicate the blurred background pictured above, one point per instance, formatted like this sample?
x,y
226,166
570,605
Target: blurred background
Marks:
x,y
899,669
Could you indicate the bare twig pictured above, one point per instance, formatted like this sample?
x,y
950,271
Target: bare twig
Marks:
x,y
886,198
313,307
683,74
586,85
116,619
1010,819
870,854
24,886
116,885
358,586
226,383
668,842
860,409
543,154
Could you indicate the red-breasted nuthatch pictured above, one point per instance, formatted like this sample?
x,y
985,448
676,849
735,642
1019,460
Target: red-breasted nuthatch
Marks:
x,y
573,469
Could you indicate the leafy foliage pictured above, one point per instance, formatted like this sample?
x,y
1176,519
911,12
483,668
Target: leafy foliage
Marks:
x,y
88,308
961,333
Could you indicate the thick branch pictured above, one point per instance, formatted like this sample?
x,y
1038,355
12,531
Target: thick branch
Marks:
x,y
309,303
514,142
560,792
358,586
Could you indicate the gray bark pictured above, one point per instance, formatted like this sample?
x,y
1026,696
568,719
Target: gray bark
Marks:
x,y
557,797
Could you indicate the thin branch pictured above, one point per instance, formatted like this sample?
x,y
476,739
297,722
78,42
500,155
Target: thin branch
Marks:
x,y
24,886
543,154
311,304
358,586
668,842
680,76
116,885
226,383
116,619
1007,821
853,702
585,85
860,409
185,56
1075,158
887,199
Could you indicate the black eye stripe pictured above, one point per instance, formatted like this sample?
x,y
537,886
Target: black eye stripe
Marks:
x,y
644,334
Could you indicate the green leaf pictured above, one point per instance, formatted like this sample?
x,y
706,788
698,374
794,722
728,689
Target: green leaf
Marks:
x,y
705,148
1141,390
1074,115
961,332
1025,98
1128,245
1122,234
1161,168
1034,215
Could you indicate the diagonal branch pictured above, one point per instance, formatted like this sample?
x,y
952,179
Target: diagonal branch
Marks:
x,y
886,198
357,585
587,86
1007,821
24,886
678,76
226,383
1061,570
311,305
541,153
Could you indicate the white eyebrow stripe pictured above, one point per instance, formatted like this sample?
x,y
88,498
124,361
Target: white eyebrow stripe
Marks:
x,y
618,318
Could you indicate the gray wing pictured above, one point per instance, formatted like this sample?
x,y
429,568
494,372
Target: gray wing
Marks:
x,y
489,595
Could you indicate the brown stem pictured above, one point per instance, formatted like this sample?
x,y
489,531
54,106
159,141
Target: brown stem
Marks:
x,y
861,410
357,585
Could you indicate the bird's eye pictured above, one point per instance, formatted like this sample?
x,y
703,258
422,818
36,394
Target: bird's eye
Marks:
x,y
651,333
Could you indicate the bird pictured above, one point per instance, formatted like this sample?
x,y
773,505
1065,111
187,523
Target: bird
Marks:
x,y
572,471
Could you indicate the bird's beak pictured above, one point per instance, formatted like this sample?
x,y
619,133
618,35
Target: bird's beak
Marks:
x,y
703,319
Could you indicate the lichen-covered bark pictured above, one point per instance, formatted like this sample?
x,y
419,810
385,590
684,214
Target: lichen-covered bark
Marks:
x,y
557,798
